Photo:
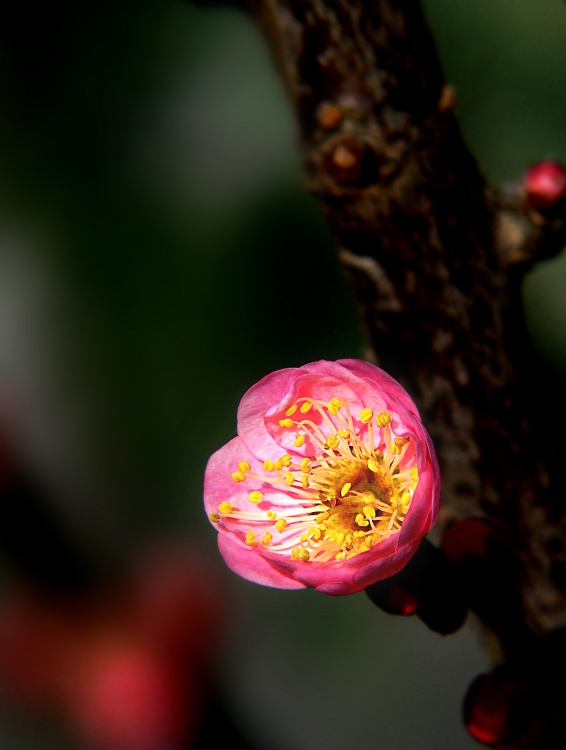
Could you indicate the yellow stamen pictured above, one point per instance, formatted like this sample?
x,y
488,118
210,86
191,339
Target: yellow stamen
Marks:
x,y
364,493
214,517
286,422
366,415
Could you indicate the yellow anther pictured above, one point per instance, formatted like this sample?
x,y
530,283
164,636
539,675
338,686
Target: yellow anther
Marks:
x,y
304,555
369,512
295,553
279,464
373,465
280,525
271,515
304,537
348,541
214,517
339,556
395,449
306,406
383,419
226,507
345,489
250,539
366,415
361,520
344,434
359,534
405,501
285,422
299,441
337,403
322,517
286,458
305,480
291,410
339,539
237,476
305,466
289,478
401,441
243,466
267,538
255,497
315,532
268,466
414,474
332,441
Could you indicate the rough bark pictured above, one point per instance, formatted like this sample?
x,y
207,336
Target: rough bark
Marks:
x,y
436,260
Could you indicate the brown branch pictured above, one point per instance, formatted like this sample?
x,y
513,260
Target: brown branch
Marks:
x,y
436,261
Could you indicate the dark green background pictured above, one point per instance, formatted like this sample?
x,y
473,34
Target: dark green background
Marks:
x,y
152,228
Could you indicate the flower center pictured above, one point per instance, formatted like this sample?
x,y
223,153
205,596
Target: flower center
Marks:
x,y
352,491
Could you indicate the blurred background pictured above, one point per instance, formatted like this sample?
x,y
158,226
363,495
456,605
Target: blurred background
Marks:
x,y
151,220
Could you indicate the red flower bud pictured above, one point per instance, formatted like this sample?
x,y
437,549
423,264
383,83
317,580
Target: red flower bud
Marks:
x,y
498,707
545,185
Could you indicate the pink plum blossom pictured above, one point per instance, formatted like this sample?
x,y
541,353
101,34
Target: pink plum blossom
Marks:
x,y
332,481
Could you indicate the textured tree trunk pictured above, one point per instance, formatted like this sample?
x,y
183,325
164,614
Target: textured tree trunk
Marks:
x,y
436,259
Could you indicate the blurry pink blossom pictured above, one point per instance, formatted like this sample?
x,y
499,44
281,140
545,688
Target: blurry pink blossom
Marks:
x,y
332,481
125,670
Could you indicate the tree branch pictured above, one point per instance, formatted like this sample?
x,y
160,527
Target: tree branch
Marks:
x,y
436,260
